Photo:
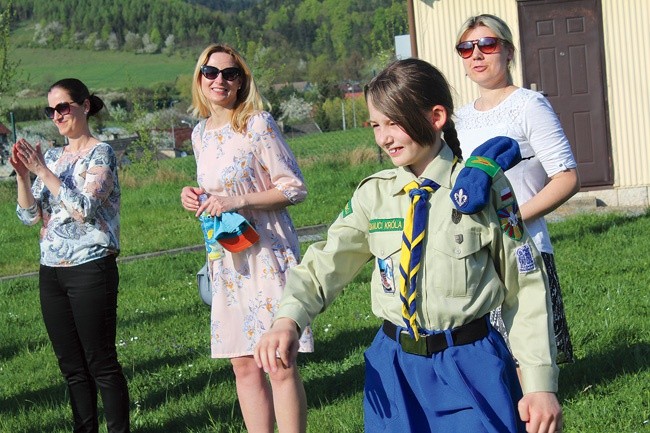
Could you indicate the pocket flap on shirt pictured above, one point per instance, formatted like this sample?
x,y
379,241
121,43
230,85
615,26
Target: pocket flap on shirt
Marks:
x,y
385,244
456,244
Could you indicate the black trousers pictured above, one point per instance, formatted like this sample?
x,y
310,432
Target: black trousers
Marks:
x,y
79,305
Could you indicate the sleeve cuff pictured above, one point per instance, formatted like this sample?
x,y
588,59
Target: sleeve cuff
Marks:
x,y
296,313
540,379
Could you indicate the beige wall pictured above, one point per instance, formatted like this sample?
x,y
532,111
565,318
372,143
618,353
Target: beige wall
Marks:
x,y
627,88
625,25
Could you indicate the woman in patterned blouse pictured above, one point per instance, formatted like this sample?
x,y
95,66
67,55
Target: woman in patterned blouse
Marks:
x,y
76,195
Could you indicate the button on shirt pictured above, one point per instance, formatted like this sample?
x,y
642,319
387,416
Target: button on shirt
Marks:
x,y
467,265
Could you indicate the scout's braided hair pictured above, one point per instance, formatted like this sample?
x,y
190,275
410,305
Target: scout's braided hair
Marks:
x,y
405,91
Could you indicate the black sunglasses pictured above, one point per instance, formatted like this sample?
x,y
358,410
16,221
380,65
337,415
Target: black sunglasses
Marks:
x,y
228,74
487,45
62,108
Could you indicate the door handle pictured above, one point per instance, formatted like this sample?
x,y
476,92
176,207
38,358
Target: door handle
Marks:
x,y
533,87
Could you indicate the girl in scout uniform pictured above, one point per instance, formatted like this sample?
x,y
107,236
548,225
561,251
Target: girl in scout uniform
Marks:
x,y
436,364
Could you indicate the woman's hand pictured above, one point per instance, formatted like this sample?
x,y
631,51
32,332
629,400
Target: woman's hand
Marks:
x,y
21,170
216,205
29,156
190,197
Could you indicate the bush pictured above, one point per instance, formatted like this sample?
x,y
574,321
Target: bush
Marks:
x,y
26,113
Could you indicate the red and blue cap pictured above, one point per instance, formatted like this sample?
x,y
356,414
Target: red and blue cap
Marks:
x,y
235,233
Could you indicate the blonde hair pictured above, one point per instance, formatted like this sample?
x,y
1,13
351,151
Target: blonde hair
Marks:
x,y
249,100
497,25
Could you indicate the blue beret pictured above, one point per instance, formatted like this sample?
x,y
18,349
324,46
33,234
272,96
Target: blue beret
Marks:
x,y
471,191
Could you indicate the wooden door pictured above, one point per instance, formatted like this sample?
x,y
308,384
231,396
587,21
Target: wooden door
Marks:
x,y
562,57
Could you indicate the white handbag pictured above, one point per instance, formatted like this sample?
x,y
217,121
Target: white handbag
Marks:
x,y
203,281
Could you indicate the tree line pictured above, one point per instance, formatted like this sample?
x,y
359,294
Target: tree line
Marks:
x,y
315,40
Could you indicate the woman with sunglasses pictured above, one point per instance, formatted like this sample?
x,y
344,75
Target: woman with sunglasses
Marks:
x,y
76,195
547,175
436,364
245,166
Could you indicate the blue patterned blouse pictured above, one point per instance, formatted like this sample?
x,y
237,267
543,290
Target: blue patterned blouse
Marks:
x,y
82,223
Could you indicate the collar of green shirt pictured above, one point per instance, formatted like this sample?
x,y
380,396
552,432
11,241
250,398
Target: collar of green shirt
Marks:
x,y
440,170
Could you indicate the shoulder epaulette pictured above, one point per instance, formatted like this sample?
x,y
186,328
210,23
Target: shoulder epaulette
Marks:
x,y
390,173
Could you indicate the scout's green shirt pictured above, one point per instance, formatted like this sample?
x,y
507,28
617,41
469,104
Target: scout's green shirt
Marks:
x,y
471,265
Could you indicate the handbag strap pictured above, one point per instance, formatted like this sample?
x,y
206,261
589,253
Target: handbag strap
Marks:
x,y
202,124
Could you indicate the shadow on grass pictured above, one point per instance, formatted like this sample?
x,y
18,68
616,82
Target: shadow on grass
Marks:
x,y
204,416
578,227
349,378
24,400
600,368
203,421
9,351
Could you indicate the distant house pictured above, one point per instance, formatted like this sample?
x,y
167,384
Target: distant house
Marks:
x,y
125,149
4,134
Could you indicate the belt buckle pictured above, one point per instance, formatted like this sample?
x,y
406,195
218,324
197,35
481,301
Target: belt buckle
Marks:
x,y
411,345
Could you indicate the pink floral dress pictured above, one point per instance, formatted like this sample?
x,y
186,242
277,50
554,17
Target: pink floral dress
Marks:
x,y
247,286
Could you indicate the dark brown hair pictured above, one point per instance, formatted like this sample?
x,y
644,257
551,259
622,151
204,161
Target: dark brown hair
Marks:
x,y
79,93
405,91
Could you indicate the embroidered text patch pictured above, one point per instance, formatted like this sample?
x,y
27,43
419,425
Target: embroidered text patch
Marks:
x,y
386,225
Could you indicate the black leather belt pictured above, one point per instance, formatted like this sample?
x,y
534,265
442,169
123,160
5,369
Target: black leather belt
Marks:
x,y
427,345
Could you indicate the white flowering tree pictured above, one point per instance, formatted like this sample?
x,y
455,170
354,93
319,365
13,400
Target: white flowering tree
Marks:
x,y
295,110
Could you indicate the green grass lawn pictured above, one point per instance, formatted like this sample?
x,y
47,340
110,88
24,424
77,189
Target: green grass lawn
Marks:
x,y
163,330
103,69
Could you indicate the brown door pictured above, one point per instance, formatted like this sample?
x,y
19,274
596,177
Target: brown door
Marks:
x,y
562,57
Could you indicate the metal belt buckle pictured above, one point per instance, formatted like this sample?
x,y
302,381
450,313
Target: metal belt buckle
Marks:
x,y
411,345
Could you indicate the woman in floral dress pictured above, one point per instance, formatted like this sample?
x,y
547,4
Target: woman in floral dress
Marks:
x,y
245,166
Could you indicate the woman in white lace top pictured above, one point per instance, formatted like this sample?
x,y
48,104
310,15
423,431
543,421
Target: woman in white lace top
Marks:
x,y
547,175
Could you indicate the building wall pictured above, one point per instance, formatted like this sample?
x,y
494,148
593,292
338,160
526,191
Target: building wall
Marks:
x,y
628,88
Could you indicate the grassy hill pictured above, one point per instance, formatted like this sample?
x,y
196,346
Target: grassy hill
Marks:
x,y
102,69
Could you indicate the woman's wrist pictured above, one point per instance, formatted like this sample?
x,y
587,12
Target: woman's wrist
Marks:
x,y
242,202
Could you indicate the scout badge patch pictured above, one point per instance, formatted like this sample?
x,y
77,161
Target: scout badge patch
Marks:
x,y
386,274
456,216
471,192
347,210
510,220
525,260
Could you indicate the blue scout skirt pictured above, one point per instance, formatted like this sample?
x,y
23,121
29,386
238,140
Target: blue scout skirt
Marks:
x,y
468,388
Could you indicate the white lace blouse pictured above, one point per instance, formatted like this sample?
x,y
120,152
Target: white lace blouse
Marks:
x,y
527,117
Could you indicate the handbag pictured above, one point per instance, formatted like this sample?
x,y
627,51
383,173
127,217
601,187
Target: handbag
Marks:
x,y
203,281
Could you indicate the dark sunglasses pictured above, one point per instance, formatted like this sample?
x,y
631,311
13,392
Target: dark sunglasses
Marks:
x,y
62,108
228,74
487,45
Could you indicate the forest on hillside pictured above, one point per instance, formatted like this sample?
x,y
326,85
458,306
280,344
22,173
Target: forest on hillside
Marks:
x,y
313,40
